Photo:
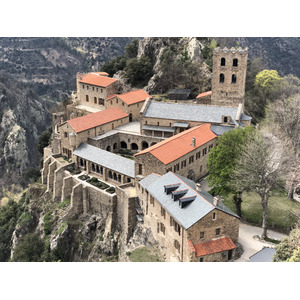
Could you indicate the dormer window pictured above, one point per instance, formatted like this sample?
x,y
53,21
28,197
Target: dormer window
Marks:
x,y
226,119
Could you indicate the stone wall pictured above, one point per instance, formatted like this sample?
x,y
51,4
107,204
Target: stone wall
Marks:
x,y
133,109
194,170
117,140
228,92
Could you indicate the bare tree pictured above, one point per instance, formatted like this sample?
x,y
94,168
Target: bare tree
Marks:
x,y
258,169
283,119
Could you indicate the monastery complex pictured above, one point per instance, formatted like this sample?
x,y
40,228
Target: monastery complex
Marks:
x,y
140,161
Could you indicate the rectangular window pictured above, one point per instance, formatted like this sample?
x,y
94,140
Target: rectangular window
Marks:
x,y
83,86
214,216
191,159
177,227
163,212
93,88
157,227
210,147
202,235
204,152
218,231
162,228
140,169
87,98
171,221
151,200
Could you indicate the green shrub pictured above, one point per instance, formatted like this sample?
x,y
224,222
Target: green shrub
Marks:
x,y
111,190
47,223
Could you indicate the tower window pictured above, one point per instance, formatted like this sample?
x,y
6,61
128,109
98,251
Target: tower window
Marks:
x,y
233,78
225,119
223,61
235,62
222,78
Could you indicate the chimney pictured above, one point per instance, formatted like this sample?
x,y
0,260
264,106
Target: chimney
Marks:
x,y
198,187
193,142
216,201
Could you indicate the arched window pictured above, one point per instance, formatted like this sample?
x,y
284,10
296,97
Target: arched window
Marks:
x,y
225,119
110,175
145,145
108,148
123,145
93,168
115,146
115,176
223,61
134,146
119,178
233,78
65,134
97,169
235,62
222,78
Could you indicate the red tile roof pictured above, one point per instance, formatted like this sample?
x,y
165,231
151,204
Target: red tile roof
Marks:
x,y
180,144
96,119
97,79
132,97
214,246
204,94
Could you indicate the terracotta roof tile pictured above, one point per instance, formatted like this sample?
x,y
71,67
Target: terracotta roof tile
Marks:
x,y
96,119
132,97
97,79
204,94
214,246
180,144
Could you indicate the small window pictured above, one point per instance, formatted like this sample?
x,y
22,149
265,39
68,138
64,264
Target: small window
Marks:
x,y
87,87
171,221
117,100
162,228
140,169
202,235
95,100
157,123
66,134
201,259
223,61
87,98
235,62
151,200
177,245
222,78
163,212
93,88
83,86
157,227
214,216
204,151
233,78
218,231
225,119
123,104
101,90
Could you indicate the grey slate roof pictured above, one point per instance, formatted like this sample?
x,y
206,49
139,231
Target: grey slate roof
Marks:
x,y
158,128
184,112
148,180
106,159
245,117
264,255
181,124
219,129
188,215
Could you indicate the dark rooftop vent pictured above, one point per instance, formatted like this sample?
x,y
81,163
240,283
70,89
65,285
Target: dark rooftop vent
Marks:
x,y
183,202
171,187
178,194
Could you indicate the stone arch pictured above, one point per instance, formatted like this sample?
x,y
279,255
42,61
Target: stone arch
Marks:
x,y
128,179
81,162
154,143
134,146
145,145
93,168
97,169
110,175
223,61
108,148
191,175
123,145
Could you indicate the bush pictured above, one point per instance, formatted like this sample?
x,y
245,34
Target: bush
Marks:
x,y
111,190
29,249
47,223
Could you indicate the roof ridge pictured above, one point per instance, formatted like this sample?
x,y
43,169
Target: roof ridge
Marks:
x,y
172,138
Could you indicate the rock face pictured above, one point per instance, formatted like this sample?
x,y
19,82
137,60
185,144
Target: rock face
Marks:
x,y
154,49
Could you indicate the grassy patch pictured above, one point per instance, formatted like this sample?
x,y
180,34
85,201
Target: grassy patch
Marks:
x,y
24,218
143,255
97,183
111,190
61,228
282,211
64,203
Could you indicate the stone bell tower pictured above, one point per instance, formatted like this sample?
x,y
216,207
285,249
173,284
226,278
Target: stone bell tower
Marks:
x,y
229,76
